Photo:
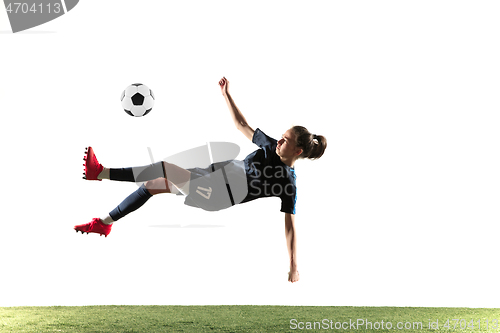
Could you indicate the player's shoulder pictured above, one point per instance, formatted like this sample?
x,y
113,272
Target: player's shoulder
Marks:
x,y
262,140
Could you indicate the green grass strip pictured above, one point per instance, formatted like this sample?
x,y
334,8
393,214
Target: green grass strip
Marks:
x,y
145,319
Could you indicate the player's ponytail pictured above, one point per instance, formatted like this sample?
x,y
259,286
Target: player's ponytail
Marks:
x,y
313,146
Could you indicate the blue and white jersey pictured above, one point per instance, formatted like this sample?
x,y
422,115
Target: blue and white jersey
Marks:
x,y
268,176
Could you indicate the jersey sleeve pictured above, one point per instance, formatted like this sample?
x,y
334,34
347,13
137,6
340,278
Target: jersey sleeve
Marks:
x,y
262,140
288,203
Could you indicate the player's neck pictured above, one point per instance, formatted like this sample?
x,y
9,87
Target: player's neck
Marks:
x,y
288,161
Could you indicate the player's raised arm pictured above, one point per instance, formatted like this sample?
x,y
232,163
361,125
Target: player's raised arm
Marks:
x,y
236,115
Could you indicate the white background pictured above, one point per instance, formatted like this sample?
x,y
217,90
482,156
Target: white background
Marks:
x,y
402,210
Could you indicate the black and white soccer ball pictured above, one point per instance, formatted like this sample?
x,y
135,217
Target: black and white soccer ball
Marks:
x,y
137,100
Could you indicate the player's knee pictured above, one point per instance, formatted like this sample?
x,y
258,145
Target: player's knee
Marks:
x,y
157,186
165,166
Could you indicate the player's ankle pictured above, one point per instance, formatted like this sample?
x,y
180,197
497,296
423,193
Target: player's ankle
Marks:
x,y
107,220
104,174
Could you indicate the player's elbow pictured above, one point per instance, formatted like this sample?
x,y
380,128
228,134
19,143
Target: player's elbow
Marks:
x,y
246,130
241,125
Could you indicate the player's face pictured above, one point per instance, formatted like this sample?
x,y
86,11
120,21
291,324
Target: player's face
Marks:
x,y
286,147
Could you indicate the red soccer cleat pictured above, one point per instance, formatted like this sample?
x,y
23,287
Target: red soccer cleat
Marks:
x,y
96,226
92,166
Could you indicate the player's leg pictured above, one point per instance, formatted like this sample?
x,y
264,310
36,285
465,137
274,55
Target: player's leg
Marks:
x,y
175,175
160,185
136,174
174,178
96,171
138,198
131,203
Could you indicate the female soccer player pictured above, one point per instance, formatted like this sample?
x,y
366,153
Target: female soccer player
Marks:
x,y
267,172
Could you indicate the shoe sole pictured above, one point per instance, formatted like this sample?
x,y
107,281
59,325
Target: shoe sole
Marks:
x,y
89,232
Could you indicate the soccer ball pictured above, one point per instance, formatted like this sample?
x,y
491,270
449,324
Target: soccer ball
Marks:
x,y
137,100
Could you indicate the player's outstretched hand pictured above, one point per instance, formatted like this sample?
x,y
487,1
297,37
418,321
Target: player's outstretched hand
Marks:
x,y
224,86
293,276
